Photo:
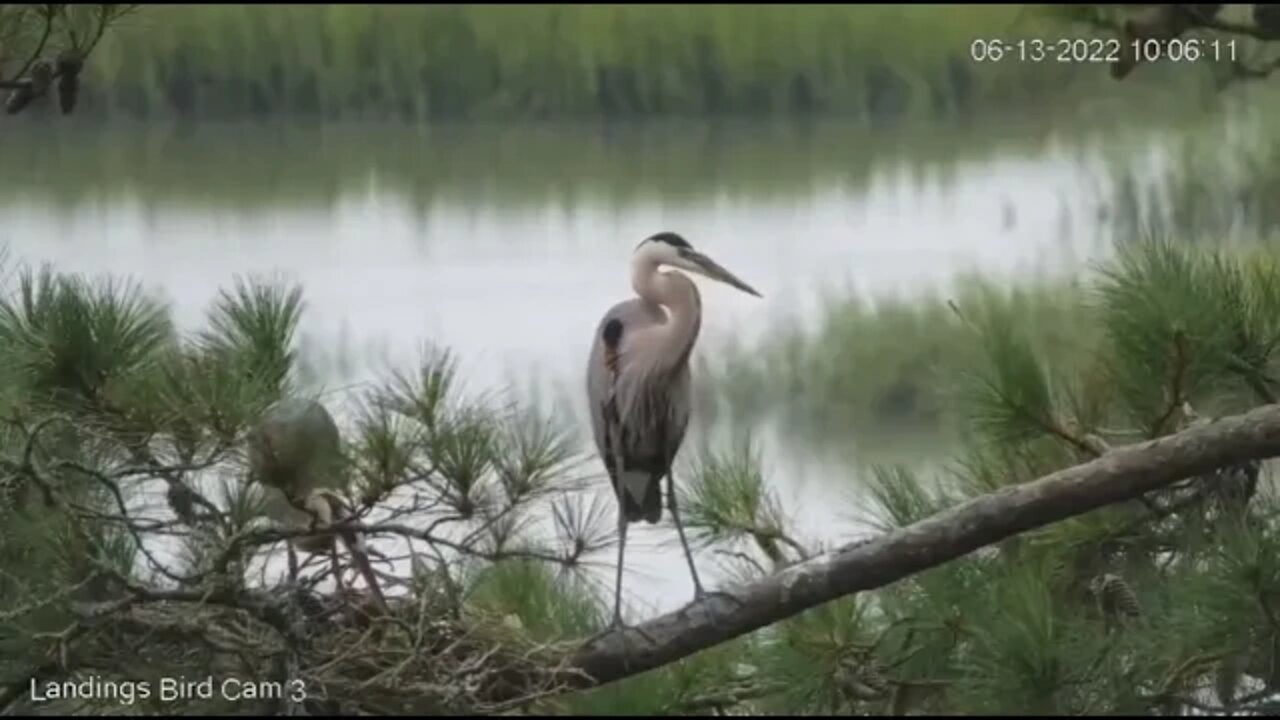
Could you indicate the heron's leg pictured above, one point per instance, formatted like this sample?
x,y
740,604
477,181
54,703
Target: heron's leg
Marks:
x,y
675,517
698,591
336,565
615,441
293,562
618,625
617,584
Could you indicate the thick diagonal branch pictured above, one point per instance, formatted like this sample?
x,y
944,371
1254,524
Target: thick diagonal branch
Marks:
x,y
1120,474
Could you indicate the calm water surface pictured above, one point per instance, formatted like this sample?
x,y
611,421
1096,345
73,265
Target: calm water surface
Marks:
x,y
506,246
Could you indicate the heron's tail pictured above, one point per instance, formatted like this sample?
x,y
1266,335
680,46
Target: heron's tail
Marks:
x,y
649,509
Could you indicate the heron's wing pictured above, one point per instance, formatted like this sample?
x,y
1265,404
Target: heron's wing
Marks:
x,y
605,367
639,397
629,383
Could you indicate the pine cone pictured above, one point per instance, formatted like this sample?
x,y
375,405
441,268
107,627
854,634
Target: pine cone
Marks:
x,y
69,65
1237,484
36,85
1267,17
11,487
1115,595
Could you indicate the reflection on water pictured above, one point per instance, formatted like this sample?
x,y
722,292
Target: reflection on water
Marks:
x,y
506,248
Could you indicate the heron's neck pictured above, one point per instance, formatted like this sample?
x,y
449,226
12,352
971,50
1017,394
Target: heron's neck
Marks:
x,y
678,296
319,505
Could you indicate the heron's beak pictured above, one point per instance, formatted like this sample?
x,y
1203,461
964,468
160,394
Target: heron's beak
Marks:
x,y
704,265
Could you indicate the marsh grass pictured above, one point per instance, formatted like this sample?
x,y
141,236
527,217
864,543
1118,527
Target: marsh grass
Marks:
x,y
1209,187
893,375
874,62
877,372
246,166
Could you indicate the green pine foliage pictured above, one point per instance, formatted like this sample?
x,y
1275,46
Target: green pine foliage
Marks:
x,y
1136,608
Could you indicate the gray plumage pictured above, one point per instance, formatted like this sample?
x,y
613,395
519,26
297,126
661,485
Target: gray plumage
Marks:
x,y
646,397
638,382
295,454
296,448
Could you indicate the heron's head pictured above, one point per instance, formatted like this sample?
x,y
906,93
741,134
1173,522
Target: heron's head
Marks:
x,y
668,248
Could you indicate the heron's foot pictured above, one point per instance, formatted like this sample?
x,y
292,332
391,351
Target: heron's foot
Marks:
x,y
700,595
614,627
618,627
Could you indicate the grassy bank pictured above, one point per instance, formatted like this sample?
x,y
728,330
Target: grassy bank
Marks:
x,y
873,370
251,165
874,62
509,166
1208,187
900,370
880,370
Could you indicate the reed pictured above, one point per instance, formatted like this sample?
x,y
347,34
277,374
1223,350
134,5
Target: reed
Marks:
x,y
875,62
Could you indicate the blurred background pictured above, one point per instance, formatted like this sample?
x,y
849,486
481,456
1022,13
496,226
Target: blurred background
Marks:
x,y
475,177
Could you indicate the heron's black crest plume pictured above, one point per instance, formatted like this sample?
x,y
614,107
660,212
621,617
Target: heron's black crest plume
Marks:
x,y
670,238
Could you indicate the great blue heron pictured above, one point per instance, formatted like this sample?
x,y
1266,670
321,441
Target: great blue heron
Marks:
x,y
638,383
295,455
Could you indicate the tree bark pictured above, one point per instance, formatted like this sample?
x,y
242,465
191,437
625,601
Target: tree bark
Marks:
x,y
1123,473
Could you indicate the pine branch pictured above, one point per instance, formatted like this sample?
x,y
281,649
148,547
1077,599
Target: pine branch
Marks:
x,y
48,12
1123,474
1166,21
724,698
70,61
1176,390
1254,31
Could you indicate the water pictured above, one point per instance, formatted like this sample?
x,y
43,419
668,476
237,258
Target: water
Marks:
x,y
506,245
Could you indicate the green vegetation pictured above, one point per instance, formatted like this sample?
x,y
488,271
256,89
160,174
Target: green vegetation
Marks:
x,y
1118,611
876,63
1139,608
866,370
110,416
245,166
1212,189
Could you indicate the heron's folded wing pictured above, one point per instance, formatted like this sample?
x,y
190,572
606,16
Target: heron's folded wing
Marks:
x,y
621,369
